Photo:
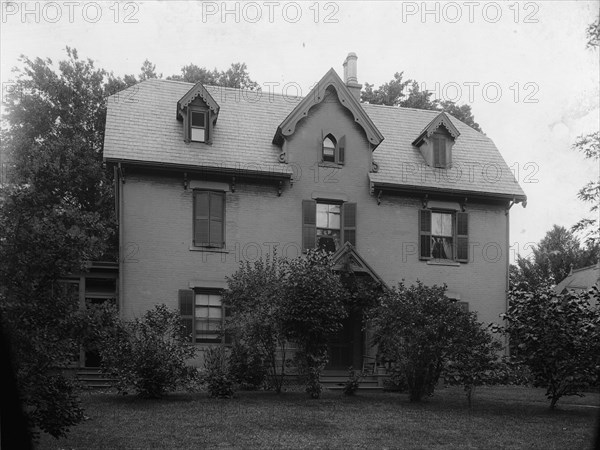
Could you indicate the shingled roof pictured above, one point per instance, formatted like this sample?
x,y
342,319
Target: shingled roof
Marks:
x,y
141,128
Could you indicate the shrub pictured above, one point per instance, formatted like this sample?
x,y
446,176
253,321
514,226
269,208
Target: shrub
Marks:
x,y
149,354
417,327
246,367
353,382
312,308
256,324
216,375
474,359
558,337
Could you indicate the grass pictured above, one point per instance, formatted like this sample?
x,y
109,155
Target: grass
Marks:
x,y
502,417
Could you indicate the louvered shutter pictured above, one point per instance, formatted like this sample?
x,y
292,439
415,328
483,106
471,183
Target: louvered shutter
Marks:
x,y
424,234
341,150
349,223
201,218
462,236
442,151
217,216
309,224
187,119
186,310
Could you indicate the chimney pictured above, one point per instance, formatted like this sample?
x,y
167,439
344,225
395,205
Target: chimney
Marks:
x,y
350,77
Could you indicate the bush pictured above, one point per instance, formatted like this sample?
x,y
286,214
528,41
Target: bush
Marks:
x,y
353,382
417,328
216,374
558,337
246,367
149,355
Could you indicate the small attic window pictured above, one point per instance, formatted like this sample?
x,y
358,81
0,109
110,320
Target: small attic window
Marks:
x,y
332,150
198,126
329,145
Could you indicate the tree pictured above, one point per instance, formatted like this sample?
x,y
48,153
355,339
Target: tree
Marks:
x,y
552,259
392,94
236,76
418,328
593,34
253,299
149,354
589,145
312,308
558,337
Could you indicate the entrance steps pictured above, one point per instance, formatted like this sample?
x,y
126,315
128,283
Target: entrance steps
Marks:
x,y
93,378
336,379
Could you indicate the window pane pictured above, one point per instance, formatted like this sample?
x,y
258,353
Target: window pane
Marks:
x,y
441,248
198,119
202,299
322,210
202,204
328,144
328,240
198,134
328,216
441,224
334,216
215,300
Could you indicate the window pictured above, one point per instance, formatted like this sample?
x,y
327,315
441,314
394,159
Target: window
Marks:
x,y
203,315
209,219
333,151
198,126
328,225
443,235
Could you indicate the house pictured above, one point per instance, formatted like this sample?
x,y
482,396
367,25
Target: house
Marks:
x,y
208,176
580,280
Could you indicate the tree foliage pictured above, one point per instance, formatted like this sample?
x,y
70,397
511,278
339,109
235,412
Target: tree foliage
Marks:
x,y
589,145
236,76
420,330
256,323
393,93
557,337
149,354
313,300
552,259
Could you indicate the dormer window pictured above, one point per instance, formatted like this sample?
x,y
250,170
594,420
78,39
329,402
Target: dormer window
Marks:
x,y
436,142
198,126
333,151
198,111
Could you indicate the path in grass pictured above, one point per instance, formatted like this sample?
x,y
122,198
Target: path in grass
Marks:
x,y
502,417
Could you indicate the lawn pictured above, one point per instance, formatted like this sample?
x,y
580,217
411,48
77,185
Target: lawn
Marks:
x,y
502,417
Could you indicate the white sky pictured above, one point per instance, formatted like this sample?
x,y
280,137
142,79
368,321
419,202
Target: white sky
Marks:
x,y
522,66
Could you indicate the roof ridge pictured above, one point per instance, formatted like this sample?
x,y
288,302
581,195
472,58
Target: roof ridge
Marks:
x,y
593,266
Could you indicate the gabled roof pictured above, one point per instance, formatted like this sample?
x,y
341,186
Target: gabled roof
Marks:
x,y
141,129
197,91
316,96
441,120
347,259
580,279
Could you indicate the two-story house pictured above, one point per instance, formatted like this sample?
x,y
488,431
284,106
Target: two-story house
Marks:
x,y
208,176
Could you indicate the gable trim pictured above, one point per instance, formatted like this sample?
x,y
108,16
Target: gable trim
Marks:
x,y
316,96
346,255
197,91
441,119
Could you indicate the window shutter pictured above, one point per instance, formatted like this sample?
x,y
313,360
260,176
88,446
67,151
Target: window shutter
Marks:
x,y
442,151
208,125
186,310
309,224
342,150
462,236
217,216
424,234
437,143
349,223
201,218
187,123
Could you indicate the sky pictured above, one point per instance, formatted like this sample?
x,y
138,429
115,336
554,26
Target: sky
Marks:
x,y
523,67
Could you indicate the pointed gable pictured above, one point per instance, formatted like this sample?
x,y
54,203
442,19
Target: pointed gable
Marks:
x,y
346,258
316,96
440,120
197,91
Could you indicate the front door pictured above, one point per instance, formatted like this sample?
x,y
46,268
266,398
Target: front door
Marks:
x,y
345,346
